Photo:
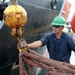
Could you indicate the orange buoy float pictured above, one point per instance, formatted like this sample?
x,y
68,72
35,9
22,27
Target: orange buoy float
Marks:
x,y
73,23
15,16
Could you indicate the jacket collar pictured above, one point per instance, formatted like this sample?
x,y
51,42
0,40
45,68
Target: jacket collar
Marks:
x,y
58,40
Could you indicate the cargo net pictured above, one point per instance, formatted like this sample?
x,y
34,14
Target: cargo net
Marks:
x,y
32,58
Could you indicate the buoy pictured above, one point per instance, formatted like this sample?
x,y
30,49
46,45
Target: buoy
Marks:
x,y
15,16
73,23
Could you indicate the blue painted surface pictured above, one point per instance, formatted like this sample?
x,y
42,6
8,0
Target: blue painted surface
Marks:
x,y
62,7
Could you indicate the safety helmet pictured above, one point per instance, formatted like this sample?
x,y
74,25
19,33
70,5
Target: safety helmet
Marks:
x,y
59,20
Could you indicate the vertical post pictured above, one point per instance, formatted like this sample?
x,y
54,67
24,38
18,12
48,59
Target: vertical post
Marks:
x,y
13,2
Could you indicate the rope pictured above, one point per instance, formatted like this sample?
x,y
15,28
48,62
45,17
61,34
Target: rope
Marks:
x,y
52,67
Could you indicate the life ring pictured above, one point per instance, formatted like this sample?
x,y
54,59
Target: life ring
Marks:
x,y
53,4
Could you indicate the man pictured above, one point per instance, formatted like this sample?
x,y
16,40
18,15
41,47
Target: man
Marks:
x,y
58,43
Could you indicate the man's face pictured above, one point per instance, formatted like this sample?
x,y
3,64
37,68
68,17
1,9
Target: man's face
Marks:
x,y
57,29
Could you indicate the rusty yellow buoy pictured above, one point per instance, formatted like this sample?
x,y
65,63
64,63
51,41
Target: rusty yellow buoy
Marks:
x,y
15,16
